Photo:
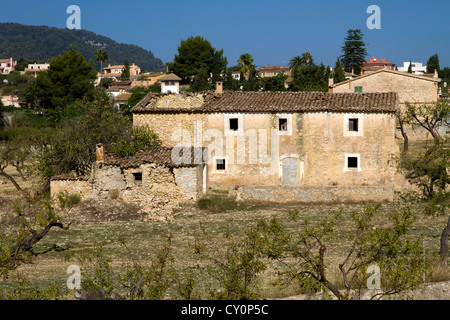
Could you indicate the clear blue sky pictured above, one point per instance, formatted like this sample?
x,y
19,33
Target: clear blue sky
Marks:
x,y
271,31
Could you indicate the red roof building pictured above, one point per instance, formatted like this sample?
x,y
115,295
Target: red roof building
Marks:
x,y
375,64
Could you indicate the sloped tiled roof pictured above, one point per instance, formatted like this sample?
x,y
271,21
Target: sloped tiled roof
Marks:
x,y
157,155
395,72
170,77
230,102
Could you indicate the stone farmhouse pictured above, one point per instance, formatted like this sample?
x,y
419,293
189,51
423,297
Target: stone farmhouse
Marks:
x,y
266,146
282,146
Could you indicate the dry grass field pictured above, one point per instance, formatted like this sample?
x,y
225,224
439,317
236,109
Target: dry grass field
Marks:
x,y
106,222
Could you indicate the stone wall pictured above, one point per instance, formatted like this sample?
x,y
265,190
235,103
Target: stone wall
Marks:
x,y
189,181
81,187
158,190
294,194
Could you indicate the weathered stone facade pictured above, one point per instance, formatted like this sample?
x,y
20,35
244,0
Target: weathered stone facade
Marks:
x,y
80,186
286,145
411,88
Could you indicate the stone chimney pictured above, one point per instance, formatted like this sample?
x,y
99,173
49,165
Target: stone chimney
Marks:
x,y
435,73
330,81
100,156
219,87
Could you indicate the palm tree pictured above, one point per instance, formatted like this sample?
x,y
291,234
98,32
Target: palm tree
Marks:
x,y
102,56
307,59
31,95
246,63
295,63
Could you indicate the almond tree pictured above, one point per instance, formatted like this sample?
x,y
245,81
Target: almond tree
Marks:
x,y
429,170
303,253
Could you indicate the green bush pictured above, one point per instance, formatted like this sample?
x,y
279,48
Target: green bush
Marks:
x,y
216,203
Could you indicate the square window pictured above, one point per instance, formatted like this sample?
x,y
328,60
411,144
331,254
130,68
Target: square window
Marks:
x,y
358,89
234,124
283,124
353,124
220,164
137,178
352,162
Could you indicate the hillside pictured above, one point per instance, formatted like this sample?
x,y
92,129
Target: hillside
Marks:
x,y
41,43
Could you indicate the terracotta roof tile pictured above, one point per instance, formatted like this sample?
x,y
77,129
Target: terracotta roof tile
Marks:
x,y
280,102
170,77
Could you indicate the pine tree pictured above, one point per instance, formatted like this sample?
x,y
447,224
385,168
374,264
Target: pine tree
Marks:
x,y
201,82
354,51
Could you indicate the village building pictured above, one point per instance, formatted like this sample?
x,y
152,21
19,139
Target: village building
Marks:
x,y
7,65
375,64
118,88
115,72
283,146
35,68
273,71
170,83
416,67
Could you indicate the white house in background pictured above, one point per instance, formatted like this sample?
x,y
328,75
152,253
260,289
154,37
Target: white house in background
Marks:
x,y
170,83
35,68
416,67
236,75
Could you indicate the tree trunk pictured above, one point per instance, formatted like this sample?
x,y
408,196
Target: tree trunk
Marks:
x,y
7,176
405,136
444,243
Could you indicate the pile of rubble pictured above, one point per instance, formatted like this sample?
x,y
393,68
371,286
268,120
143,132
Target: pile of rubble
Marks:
x,y
158,209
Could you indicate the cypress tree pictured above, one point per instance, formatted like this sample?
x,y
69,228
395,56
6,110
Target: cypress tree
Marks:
x,y
338,74
433,63
410,67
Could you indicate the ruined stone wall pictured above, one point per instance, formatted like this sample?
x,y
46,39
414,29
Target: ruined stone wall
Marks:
x,y
158,190
80,187
189,182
